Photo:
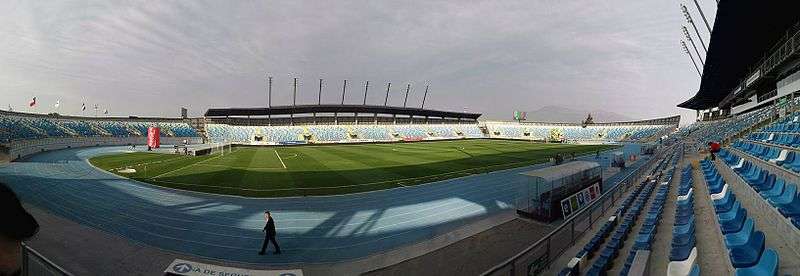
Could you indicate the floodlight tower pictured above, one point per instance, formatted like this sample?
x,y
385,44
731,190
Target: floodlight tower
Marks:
x,y
689,37
703,15
406,99
294,101
386,99
686,50
689,19
269,100
319,100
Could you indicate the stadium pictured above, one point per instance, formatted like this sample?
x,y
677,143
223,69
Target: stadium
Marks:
x,y
357,187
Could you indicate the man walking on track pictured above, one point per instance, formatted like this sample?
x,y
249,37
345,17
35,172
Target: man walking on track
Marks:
x,y
270,232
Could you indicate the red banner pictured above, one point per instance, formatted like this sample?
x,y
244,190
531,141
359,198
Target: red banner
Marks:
x,y
153,137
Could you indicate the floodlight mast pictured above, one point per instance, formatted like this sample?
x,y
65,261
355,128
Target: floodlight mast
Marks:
x,y
319,100
689,37
269,101
703,15
425,96
366,89
686,50
408,87
294,101
689,19
386,99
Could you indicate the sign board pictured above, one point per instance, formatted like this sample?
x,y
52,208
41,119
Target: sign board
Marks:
x,y
189,268
153,137
575,202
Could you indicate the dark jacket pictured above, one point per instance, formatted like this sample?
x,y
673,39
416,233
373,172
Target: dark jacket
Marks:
x,y
270,227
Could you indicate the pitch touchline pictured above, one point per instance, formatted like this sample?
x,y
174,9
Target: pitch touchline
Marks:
x,y
281,159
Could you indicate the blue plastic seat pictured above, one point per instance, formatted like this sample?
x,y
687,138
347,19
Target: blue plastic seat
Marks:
x,y
786,197
766,266
681,220
680,253
776,190
730,214
742,236
748,254
766,184
790,209
735,224
726,203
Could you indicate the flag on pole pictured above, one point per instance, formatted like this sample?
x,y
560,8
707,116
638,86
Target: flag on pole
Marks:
x,y
83,106
33,102
58,103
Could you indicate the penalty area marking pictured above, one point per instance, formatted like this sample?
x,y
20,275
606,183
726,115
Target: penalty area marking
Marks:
x,y
281,159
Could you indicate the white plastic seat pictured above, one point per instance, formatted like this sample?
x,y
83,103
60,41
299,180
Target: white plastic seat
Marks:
x,y
687,196
721,194
781,157
738,165
683,268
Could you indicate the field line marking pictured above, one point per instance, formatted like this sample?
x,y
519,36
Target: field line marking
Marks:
x,y
281,159
184,167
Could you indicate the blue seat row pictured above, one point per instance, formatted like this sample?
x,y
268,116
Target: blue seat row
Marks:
x,y
614,237
683,253
648,231
785,139
746,246
777,191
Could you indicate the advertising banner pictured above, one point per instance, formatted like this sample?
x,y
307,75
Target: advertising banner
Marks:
x,y
154,137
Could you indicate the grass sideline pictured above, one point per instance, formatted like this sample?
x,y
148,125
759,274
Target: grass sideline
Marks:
x,y
331,169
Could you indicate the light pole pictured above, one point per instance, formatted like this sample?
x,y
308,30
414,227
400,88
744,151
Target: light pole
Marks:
x,y
702,15
269,100
689,37
689,19
686,50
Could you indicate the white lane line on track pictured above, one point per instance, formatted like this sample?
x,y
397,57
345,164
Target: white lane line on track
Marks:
x,y
279,158
187,166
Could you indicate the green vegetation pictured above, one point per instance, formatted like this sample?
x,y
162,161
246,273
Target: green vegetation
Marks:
x,y
331,169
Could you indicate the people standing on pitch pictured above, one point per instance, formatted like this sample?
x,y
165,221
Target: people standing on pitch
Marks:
x,y
17,225
269,234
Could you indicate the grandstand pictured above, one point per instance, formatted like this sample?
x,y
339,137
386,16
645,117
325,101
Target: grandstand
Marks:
x,y
389,190
738,214
267,144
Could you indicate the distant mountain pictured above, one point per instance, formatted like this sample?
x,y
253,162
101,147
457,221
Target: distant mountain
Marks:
x,y
567,115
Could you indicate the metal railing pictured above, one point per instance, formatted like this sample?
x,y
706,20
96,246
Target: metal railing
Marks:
x,y
35,264
538,257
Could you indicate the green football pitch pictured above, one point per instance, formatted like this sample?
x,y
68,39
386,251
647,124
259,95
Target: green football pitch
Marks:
x,y
330,169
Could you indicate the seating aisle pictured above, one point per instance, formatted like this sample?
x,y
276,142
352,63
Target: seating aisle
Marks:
x,y
710,241
597,252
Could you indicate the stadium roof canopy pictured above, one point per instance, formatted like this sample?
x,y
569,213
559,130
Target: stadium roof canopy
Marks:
x,y
325,108
743,33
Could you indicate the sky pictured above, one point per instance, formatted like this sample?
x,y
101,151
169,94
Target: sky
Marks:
x,y
149,58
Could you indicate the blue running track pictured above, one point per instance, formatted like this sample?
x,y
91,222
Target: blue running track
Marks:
x,y
310,230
